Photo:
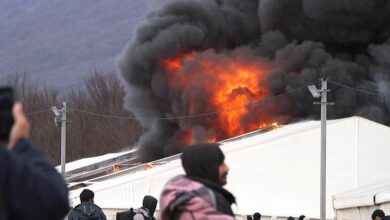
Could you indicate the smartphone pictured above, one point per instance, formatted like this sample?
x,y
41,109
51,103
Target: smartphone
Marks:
x,y
6,118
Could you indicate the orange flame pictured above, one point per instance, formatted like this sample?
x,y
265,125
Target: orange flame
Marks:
x,y
117,168
229,83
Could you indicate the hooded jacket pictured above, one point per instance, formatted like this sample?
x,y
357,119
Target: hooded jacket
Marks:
x,y
149,203
201,163
86,211
185,199
198,195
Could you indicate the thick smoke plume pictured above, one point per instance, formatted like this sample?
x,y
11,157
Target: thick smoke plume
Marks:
x,y
294,42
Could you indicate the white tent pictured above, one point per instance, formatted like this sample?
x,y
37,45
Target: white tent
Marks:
x,y
275,173
359,203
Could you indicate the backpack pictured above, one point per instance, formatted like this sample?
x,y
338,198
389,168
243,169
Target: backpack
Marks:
x,y
138,214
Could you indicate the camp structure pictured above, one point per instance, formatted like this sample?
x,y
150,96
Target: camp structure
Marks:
x,y
276,173
359,203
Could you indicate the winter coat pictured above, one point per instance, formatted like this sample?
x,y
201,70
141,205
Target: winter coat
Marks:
x,y
186,199
86,211
30,186
223,198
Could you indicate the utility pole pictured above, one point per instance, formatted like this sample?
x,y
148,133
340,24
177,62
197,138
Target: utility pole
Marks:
x,y
60,118
317,93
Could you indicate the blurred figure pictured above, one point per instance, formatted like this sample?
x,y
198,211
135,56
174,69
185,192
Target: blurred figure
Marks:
x,y
146,212
199,194
30,186
256,216
301,217
87,209
290,218
378,214
249,217
126,215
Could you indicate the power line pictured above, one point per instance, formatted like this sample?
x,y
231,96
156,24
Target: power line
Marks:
x,y
37,112
262,102
188,116
358,90
204,114
101,115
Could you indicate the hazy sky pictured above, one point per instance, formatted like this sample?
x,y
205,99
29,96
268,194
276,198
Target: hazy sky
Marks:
x,y
61,41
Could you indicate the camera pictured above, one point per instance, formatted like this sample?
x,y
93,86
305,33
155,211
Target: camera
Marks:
x,y
6,118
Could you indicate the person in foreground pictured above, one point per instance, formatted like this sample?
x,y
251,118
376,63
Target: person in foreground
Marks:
x,y
199,194
30,186
87,209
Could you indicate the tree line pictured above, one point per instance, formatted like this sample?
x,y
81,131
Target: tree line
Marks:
x,y
87,134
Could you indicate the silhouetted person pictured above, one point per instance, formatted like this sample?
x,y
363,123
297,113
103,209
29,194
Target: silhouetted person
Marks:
x,y
301,217
30,187
290,218
87,209
378,214
147,210
248,217
199,194
256,216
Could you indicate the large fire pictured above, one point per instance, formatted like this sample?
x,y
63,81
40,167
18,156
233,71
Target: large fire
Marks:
x,y
224,84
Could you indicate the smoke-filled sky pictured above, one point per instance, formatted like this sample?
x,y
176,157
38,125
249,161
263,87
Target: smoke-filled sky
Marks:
x,y
238,65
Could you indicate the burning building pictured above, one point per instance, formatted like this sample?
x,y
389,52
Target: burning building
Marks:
x,y
207,70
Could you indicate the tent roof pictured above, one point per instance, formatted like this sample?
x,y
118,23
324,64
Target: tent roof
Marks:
x,y
77,164
368,195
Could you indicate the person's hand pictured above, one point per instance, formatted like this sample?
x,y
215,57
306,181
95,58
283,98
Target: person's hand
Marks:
x,y
21,127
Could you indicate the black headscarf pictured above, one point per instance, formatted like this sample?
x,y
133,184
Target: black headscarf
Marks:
x,y
203,160
150,203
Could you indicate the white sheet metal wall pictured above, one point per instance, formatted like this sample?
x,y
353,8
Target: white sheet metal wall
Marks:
x,y
276,173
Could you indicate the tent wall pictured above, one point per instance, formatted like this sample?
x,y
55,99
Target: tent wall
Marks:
x,y
361,213
281,175
276,173
373,146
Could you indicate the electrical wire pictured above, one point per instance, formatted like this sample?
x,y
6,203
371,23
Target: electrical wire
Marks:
x,y
355,89
37,112
188,116
101,115
208,113
262,102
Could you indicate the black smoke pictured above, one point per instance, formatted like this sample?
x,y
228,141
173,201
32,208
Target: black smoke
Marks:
x,y
346,41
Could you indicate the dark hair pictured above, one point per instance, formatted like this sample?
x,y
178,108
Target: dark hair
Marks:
x,y
256,216
378,213
248,217
86,195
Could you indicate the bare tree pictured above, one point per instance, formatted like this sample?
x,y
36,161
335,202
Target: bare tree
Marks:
x,y
88,134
